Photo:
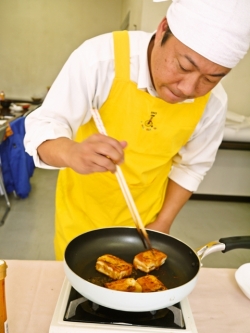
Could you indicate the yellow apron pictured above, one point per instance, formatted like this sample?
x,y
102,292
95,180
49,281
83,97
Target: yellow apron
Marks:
x,y
155,132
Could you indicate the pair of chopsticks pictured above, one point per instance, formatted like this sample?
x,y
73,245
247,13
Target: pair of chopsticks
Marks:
x,y
124,187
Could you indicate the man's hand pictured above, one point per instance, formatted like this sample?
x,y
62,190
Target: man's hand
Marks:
x,y
98,153
162,227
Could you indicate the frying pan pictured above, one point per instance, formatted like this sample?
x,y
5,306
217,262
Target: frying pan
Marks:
x,y
179,273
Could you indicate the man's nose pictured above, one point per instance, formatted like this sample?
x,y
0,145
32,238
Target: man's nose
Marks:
x,y
188,85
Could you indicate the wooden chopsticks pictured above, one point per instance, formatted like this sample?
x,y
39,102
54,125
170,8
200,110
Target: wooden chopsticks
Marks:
x,y
125,189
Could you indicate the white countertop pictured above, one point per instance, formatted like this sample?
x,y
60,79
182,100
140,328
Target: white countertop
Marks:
x,y
32,289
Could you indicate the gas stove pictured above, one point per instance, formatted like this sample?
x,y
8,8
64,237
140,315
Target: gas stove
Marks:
x,y
75,314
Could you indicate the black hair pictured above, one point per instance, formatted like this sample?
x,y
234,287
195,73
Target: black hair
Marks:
x,y
168,33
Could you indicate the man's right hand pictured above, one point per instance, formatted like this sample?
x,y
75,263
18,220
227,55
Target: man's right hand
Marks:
x,y
98,153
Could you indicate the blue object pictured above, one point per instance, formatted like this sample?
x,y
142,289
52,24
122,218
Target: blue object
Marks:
x,y
17,165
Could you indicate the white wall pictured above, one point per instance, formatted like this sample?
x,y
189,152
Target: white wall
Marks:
x,y
152,14
144,14
37,36
237,86
135,9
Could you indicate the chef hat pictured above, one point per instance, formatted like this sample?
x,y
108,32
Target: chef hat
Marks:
x,y
219,30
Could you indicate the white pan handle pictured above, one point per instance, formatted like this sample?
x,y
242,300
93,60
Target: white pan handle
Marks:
x,y
209,248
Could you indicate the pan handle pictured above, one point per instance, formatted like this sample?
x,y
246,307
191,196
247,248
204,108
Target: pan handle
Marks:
x,y
237,242
224,245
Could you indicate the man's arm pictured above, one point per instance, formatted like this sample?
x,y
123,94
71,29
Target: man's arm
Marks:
x,y
84,82
176,197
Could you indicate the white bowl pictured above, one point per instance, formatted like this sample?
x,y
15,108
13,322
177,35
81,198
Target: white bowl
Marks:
x,y
242,276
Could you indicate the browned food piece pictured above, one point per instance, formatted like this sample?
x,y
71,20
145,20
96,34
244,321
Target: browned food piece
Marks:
x,y
150,283
113,266
128,284
149,260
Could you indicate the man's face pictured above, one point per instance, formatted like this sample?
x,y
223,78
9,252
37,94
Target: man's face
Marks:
x,y
178,72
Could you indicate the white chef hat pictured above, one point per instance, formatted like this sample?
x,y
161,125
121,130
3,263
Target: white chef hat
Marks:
x,y
219,30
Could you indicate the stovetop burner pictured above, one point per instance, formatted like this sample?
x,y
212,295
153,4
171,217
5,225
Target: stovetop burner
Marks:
x,y
74,313
80,309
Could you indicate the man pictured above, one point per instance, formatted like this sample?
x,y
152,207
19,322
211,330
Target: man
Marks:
x,y
163,109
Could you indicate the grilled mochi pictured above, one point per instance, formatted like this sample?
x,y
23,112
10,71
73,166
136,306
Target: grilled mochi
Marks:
x,y
150,283
113,266
149,260
127,284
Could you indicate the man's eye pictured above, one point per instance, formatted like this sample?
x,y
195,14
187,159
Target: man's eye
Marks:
x,y
208,81
183,69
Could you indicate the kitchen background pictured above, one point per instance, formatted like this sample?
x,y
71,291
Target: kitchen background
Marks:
x,y
36,39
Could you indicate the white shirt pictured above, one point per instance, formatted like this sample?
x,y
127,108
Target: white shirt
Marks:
x,y
85,82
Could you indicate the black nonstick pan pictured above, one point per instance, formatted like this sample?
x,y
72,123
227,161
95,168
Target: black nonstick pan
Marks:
x,y
179,273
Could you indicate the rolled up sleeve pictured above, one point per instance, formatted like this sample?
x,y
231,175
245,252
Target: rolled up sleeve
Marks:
x,y
65,108
36,135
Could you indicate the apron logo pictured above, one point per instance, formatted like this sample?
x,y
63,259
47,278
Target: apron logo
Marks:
x,y
148,124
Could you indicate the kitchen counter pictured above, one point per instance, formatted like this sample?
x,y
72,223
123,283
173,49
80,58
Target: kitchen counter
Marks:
x,y
8,115
32,289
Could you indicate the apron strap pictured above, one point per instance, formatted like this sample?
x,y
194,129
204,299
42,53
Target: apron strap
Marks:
x,y
122,54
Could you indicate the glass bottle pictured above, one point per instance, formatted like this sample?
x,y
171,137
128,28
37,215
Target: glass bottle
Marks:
x,y
2,95
3,312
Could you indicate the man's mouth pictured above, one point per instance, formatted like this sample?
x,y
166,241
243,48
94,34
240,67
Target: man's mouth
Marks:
x,y
176,96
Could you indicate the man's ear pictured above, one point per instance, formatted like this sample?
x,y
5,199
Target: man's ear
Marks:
x,y
162,27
